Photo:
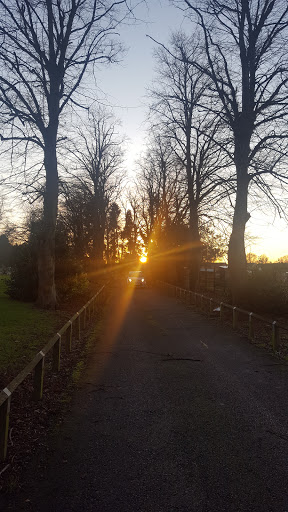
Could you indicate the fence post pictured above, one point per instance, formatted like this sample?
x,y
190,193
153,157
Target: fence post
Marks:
x,y
57,354
78,326
83,318
275,336
4,424
251,327
38,379
69,337
221,311
235,317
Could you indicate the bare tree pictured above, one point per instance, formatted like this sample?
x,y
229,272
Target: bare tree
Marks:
x,y
162,198
192,131
246,62
75,212
99,154
130,231
46,48
112,233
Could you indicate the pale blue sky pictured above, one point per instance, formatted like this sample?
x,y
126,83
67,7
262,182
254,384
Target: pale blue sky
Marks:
x,y
125,84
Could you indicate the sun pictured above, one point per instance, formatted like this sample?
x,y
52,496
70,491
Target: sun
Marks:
x,y
143,259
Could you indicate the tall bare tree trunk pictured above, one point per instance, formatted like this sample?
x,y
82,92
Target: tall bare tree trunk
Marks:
x,y
194,235
98,245
195,249
46,251
236,250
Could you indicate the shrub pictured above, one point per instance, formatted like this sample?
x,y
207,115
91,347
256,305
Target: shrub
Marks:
x,y
23,281
267,290
72,286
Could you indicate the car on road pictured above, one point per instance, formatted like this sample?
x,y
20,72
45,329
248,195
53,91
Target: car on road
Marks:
x,y
136,278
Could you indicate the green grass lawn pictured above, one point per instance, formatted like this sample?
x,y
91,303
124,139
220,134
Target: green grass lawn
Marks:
x,y
24,330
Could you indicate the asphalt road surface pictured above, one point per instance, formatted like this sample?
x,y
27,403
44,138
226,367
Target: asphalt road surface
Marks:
x,y
174,413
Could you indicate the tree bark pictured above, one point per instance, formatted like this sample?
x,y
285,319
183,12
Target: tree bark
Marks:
x,y
46,250
195,249
236,249
194,235
98,244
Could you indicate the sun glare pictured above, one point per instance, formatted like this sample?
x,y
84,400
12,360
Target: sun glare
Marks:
x,y
143,259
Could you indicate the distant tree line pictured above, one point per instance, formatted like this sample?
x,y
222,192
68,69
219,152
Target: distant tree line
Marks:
x,y
47,50
220,104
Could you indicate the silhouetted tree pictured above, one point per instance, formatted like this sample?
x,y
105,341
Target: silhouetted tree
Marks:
x,y
5,251
112,233
129,233
75,212
99,154
45,50
246,62
214,244
180,108
160,191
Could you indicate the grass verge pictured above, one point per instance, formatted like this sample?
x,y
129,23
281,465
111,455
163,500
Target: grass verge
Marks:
x,y
34,426
24,329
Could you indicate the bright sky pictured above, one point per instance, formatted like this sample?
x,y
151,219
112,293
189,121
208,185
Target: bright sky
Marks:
x,y
125,86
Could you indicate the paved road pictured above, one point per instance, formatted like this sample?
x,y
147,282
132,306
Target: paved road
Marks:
x,y
173,414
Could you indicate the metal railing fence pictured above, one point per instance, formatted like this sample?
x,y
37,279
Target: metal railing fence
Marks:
x,y
72,329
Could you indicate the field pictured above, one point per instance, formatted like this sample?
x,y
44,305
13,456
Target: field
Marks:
x,y
24,330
